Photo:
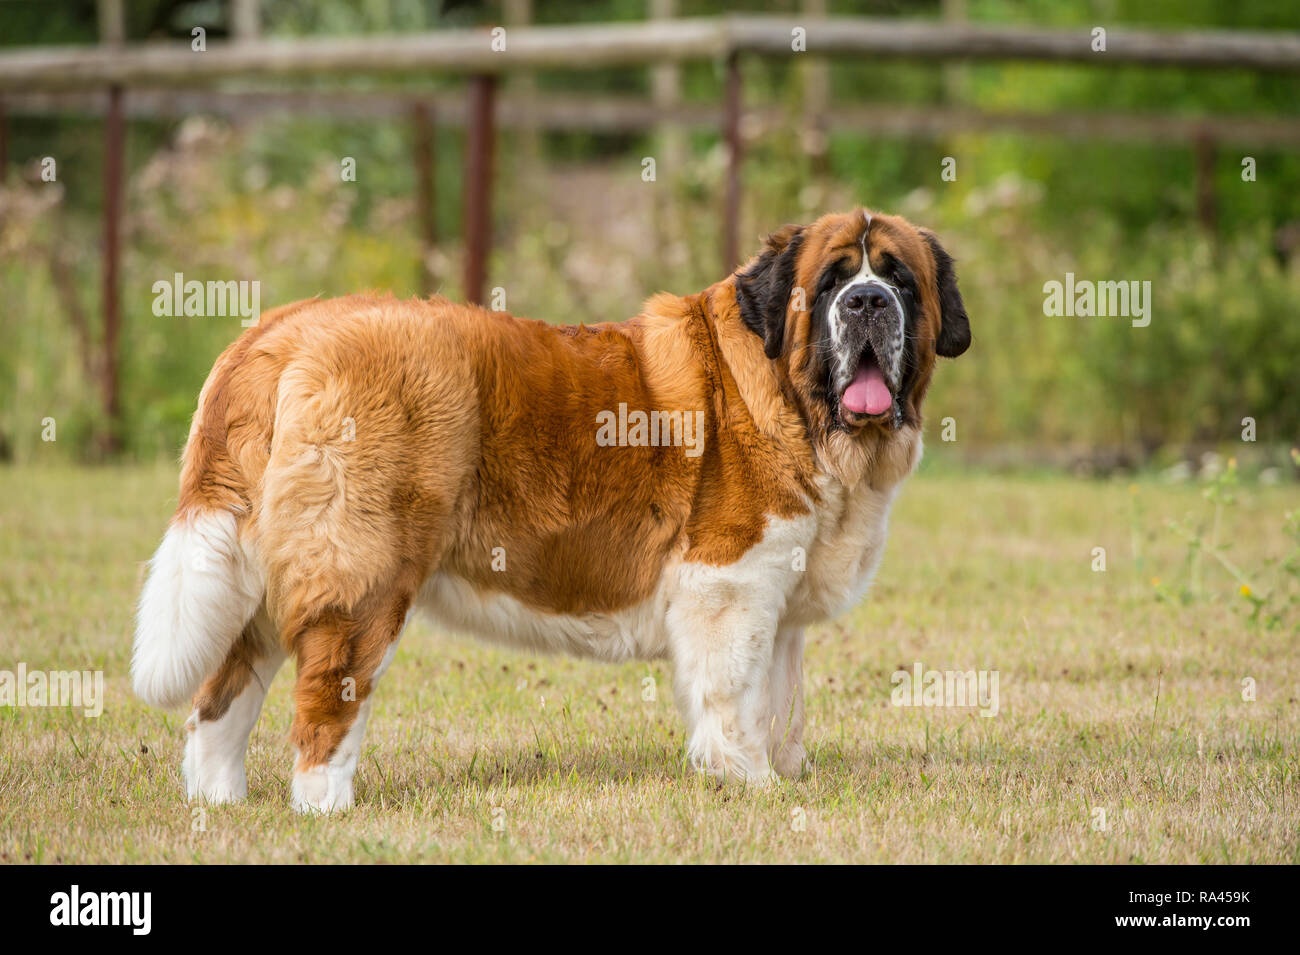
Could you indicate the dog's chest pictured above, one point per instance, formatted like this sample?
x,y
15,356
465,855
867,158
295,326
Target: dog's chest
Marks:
x,y
843,557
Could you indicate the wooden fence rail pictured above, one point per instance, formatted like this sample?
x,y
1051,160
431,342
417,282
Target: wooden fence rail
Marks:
x,y
631,114
635,44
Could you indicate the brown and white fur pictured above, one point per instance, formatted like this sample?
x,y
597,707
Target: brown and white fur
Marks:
x,y
355,459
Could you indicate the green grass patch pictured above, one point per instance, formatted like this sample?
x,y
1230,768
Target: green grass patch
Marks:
x,y
1116,693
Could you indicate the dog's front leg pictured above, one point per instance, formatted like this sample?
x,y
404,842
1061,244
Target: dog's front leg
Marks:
x,y
785,729
721,642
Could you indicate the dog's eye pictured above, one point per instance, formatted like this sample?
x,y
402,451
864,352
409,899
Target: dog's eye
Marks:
x,y
898,274
834,274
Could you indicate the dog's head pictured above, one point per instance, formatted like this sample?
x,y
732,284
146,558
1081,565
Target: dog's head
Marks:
x,y
855,308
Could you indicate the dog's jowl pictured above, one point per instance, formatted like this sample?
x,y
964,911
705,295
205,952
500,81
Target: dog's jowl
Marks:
x,y
356,459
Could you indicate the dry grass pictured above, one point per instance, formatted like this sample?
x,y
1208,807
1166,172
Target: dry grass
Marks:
x,y
1109,698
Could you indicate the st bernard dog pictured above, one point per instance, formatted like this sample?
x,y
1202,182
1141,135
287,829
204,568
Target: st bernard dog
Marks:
x,y
355,459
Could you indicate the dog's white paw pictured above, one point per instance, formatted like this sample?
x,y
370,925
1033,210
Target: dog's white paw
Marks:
x,y
319,789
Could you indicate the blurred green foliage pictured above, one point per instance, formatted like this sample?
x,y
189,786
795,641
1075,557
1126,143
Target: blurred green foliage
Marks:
x,y
581,238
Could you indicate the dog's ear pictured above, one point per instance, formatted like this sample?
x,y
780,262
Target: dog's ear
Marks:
x,y
763,290
954,331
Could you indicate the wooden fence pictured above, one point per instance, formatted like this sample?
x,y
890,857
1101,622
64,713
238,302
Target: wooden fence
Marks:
x,y
118,80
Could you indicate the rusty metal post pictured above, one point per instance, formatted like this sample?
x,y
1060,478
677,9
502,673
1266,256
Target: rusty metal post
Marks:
x,y
114,166
422,130
1207,202
480,136
731,134
816,75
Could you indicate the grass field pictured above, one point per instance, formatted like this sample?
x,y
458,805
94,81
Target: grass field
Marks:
x,y
1115,695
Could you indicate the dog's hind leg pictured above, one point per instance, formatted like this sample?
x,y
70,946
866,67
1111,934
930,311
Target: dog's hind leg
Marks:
x,y
341,656
226,708
350,524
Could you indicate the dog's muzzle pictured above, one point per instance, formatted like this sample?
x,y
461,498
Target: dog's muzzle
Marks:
x,y
870,352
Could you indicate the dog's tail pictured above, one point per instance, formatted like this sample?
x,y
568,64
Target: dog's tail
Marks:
x,y
200,593
202,587
205,583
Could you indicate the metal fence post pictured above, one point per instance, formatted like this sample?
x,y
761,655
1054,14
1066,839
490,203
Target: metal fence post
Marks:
x,y
480,137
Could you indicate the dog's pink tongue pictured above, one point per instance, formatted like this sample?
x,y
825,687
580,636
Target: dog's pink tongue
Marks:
x,y
868,393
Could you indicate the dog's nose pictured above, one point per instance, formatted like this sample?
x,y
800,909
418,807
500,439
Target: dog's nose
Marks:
x,y
866,298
